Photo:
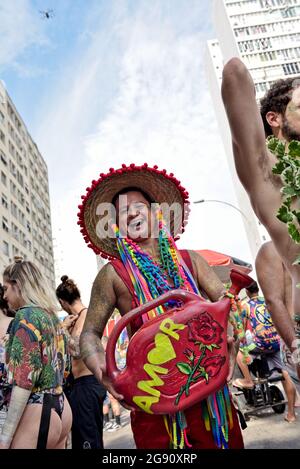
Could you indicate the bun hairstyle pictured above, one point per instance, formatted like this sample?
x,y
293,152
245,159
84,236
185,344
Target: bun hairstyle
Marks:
x,y
4,305
18,259
67,290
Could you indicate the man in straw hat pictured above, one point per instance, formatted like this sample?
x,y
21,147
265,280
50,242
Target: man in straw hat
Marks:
x,y
121,219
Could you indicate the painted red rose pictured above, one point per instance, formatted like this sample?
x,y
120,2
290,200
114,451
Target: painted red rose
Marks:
x,y
205,329
213,365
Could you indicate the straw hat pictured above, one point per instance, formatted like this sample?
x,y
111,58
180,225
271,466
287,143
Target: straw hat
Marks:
x,y
160,186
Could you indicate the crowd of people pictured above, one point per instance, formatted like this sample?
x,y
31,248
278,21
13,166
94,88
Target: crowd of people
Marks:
x,y
54,380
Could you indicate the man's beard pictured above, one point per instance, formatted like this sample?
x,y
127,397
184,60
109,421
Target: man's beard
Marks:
x,y
288,132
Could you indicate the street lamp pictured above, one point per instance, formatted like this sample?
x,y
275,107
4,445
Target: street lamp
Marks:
x,y
201,201
254,238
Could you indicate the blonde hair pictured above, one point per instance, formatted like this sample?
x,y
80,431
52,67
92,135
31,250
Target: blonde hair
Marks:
x,y
34,288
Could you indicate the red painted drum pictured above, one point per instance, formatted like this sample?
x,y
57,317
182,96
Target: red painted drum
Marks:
x,y
178,358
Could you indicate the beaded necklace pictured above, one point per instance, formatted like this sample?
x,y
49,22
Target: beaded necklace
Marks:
x,y
150,280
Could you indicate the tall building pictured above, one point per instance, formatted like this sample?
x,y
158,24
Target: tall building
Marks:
x,y
265,35
24,191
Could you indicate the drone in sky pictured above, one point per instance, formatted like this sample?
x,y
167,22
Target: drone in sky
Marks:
x,y
47,14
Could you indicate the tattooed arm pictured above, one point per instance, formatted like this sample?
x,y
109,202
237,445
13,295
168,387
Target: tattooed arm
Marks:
x,y
206,278
102,303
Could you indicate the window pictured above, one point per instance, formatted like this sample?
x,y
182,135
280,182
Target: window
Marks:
x,y
21,218
14,209
5,226
13,188
2,119
2,137
20,179
15,251
5,248
3,178
15,231
12,169
3,158
4,201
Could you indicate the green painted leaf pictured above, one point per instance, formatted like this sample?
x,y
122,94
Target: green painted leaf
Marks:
x,y
284,214
209,347
288,202
279,167
184,368
297,215
294,232
272,144
288,176
288,190
280,149
294,149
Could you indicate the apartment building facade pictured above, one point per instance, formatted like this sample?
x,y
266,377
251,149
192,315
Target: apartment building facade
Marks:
x,y
24,191
265,35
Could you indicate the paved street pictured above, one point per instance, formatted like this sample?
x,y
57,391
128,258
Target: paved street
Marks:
x,y
267,430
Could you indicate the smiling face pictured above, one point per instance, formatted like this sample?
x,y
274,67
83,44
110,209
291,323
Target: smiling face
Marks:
x,y
134,216
12,295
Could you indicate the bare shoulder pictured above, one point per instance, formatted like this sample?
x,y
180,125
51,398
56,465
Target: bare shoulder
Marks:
x,y
200,265
197,258
205,276
107,273
266,252
268,265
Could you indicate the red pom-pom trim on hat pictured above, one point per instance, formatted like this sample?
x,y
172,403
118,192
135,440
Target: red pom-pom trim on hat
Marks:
x,y
126,168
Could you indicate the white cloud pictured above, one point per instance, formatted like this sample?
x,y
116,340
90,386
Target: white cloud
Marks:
x,y
156,108
20,28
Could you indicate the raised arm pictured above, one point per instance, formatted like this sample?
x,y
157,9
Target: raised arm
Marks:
x,y
101,307
247,131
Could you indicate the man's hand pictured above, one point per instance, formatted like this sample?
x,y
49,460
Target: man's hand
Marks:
x,y
233,348
107,383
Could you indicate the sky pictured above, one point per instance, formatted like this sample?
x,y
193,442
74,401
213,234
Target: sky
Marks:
x,y
106,82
